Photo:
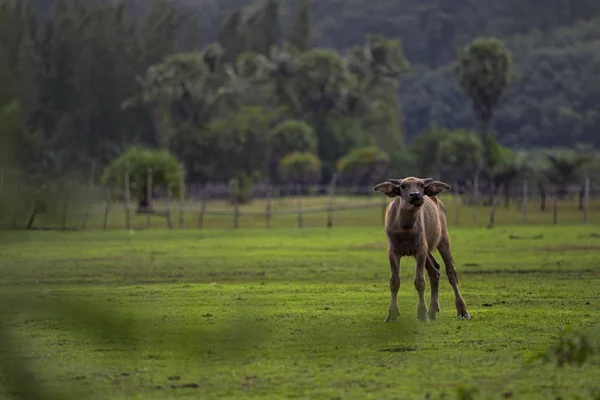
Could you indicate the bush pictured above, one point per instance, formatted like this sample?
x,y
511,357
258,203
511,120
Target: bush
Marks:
x,y
165,172
303,168
363,165
293,136
241,187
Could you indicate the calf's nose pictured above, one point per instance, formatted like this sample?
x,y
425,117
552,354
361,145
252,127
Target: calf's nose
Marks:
x,y
415,195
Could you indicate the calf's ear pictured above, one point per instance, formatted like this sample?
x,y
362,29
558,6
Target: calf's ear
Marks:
x,y
388,188
433,188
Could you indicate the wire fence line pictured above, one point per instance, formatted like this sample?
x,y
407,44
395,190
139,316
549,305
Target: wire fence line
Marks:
x,y
221,205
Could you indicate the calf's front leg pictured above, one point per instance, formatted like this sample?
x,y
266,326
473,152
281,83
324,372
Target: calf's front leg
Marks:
x,y
392,315
420,286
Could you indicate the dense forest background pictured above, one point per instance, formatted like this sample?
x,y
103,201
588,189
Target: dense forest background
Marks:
x,y
554,43
236,86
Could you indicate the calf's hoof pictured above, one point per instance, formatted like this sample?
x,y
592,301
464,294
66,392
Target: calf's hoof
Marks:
x,y
392,316
422,315
433,315
464,315
434,309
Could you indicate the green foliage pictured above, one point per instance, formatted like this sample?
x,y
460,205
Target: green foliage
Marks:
x,y
241,187
349,77
301,168
484,68
574,347
565,165
426,148
549,105
461,151
299,35
18,146
136,161
293,136
363,165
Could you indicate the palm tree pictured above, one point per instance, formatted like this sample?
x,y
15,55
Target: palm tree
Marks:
x,y
566,167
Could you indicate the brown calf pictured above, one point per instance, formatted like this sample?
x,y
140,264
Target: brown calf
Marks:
x,y
415,224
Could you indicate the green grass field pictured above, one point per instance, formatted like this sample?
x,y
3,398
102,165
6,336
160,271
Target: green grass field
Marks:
x,y
290,313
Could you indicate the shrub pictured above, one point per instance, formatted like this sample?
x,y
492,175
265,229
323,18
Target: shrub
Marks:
x,y
166,171
303,168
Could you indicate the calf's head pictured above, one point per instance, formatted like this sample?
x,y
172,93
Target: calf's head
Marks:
x,y
412,189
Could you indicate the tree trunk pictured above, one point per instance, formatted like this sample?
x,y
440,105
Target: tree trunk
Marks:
x,y
507,195
542,197
33,215
144,202
492,195
476,186
581,197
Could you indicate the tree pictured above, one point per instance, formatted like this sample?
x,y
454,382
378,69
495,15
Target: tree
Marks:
x,y
484,69
426,150
460,153
299,35
30,72
363,165
565,167
301,168
165,167
320,85
503,172
158,32
292,136
282,69
378,66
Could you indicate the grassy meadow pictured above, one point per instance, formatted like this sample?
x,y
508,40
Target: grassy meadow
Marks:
x,y
290,313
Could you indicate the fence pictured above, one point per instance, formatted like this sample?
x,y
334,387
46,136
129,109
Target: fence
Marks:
x,y
210,206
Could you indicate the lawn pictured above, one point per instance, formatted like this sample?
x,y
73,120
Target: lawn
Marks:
x,y
289,313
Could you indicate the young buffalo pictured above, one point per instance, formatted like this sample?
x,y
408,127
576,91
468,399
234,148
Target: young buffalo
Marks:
x,y
415,224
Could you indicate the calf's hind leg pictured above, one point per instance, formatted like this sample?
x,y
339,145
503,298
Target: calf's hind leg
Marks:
x,y
461,306
433,270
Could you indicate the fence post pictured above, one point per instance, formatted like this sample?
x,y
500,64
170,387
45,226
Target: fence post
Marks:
x,y
86,214
495,204
1,179
127,199
106,209
182,193
554,206
149,197
66,206
205,195
524,204
331,198
299,199
16,199
168,207
236,205
268,207
586,201
457,202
